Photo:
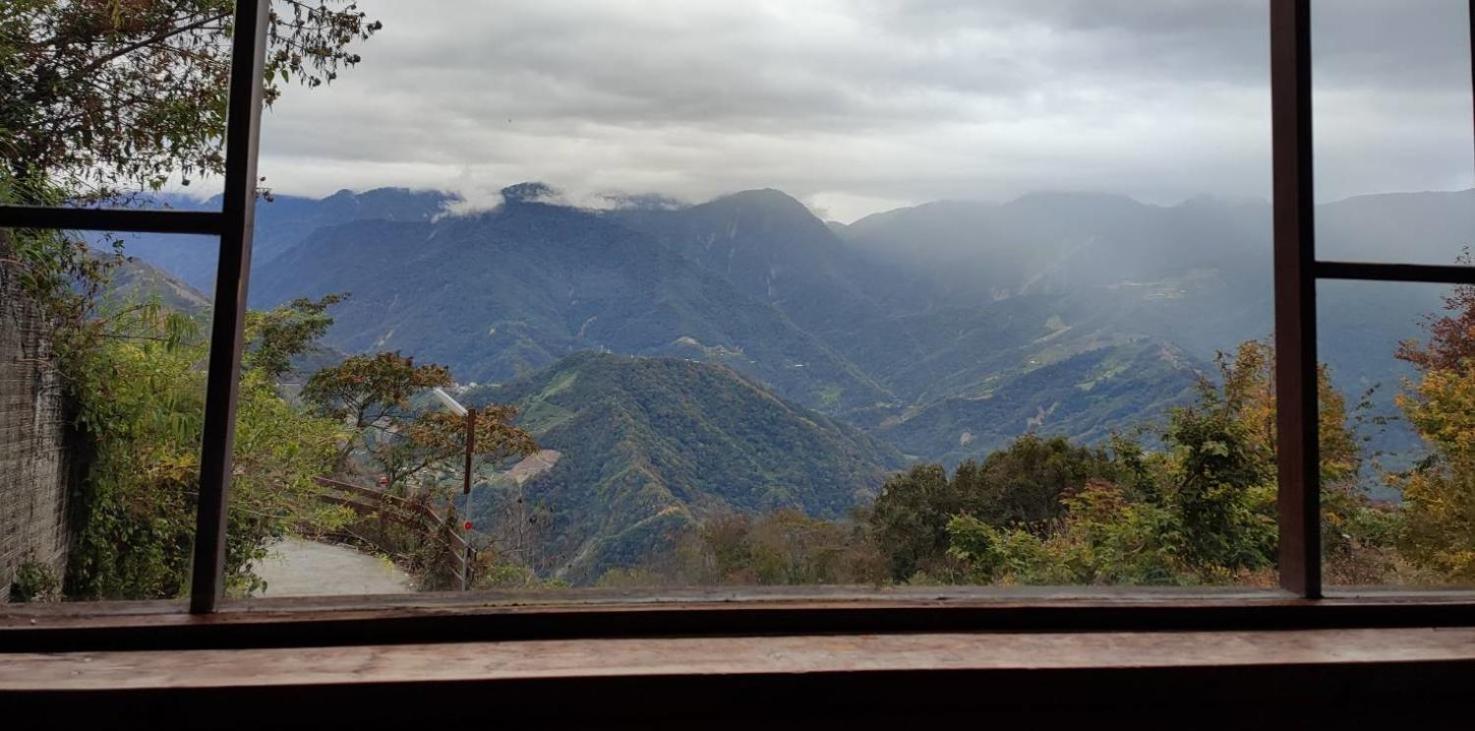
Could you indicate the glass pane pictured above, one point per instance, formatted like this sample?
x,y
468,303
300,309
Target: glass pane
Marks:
x,y
1398,505
833,294
102,382
1393,134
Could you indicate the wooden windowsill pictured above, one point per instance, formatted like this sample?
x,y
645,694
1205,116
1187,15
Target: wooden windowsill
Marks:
x,y
741,680
523,660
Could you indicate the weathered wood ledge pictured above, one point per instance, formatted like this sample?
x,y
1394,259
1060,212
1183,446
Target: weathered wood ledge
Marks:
x,y
826,679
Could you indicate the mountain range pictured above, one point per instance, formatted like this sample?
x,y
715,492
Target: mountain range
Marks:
x,y
938,332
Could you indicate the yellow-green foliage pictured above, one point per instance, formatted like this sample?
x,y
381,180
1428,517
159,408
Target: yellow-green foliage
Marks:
x,y
1201,511
1439,494
140,394
1020,487
1106,538
137,376
785,547
371,394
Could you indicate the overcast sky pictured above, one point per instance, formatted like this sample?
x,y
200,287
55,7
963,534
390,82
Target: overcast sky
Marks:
x,y
856,106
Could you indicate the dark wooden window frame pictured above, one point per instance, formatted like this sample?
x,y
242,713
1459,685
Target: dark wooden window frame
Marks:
x,y
212,622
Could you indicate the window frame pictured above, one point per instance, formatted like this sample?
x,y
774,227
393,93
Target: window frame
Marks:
x,y
214,622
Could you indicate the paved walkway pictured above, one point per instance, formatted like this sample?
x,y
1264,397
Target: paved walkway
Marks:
x,y
297,567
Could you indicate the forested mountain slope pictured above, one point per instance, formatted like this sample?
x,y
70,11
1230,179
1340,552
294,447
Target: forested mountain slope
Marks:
x,y
650,445
509,291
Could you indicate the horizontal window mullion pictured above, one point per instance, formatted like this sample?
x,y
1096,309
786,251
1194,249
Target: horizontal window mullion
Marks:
x,y
207,223
1367,271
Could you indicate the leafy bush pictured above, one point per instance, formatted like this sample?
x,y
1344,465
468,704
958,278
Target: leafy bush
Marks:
x,y
1019,487
35,582
782,548
140,395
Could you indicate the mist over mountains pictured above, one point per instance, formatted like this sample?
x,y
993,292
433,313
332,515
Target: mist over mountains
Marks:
x,y
941,331
877,320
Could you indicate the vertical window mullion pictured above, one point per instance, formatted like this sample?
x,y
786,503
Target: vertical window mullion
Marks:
x,y
1297,438
1471,18
243,122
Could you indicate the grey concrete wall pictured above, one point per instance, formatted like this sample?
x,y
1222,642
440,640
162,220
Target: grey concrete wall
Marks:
x,y
34,470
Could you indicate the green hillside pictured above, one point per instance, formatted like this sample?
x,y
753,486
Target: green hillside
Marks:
x,y
650,444
1085,397
135,280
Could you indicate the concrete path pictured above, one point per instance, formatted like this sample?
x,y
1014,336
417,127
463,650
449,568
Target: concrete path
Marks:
x,y
297,567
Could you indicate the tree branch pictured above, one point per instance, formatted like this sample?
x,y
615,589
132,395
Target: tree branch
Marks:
x,y
158,38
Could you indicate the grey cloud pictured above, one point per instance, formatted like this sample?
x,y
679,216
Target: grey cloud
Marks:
x,y
857,104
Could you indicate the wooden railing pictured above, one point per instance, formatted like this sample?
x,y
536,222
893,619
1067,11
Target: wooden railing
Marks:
x,y
417,516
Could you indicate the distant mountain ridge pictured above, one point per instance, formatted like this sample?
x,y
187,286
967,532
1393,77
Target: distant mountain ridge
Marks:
x,y
1197,274
906,323
135,281
506,292
282,222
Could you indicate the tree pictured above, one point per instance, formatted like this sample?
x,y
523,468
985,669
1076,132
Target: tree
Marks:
x,y
1200,511
371,395
1439,493
1247,394
1222,492
274,338
909,520
1106,537
106,95
785,547
1356,532
1017,487
1023,485
142,405
1451,343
